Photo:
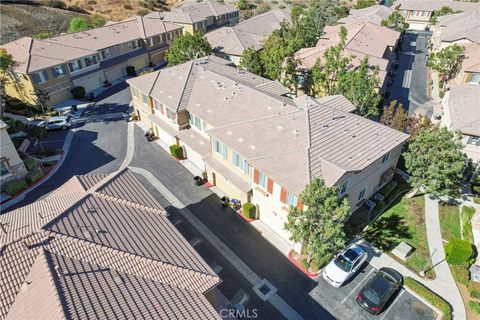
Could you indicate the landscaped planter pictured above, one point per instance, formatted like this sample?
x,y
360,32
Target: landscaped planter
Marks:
x,y
299,266
240,212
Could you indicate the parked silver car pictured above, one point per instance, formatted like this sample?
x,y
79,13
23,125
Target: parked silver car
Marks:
x,y
58,122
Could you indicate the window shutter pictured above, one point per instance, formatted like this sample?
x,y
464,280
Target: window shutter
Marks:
x,y
270,186
255,175
299,204
283,195
45,75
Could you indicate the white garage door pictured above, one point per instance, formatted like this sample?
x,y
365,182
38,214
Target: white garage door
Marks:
x,y
417,26
90,84
116,73
165,137
194,157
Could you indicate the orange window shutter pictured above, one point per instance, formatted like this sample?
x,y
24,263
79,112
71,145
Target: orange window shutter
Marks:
x,y
300,204
283,195
255,175
270,186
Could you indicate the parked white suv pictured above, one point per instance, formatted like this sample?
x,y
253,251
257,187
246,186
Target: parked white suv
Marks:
x,y
59,122
345,265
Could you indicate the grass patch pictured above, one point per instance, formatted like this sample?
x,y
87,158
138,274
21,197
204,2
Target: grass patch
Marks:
x,y
450,221
430,296
467,214
404,222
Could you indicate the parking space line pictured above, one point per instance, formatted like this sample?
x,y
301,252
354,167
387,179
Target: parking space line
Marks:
x,y
356,287
391,304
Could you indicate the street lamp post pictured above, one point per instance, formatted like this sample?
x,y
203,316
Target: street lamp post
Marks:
x,y
422,273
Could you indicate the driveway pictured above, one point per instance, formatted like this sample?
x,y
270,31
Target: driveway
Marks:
x,y
98,146
410,83
341,301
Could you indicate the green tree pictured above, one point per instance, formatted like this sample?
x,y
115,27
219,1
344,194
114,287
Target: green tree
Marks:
x,y
360,87
447,61
8,76
242,4
290,75
395,21
320,228
78,24
272,56
41,99
365,4
435,161
395,117
443,11
188,47
251,62
97,21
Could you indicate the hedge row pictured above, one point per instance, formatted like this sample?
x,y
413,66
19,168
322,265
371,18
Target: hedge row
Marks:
x,y
429,296
458,251
30,163
14,186
34,175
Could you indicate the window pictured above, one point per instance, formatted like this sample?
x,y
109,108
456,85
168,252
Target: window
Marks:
x,y
145,99
149,42
90,61
135,92
385,158
361,195
344,187
263,180
40,77
239,162
246,167
59,71
474,140
220,148
475,78
3,167
159,39
75,65
158,106
171,115
105,53
197,122
292,200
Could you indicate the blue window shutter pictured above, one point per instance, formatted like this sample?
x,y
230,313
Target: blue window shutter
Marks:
x,y
224,152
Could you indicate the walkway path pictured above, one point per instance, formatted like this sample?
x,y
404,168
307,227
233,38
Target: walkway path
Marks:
x,y
444,279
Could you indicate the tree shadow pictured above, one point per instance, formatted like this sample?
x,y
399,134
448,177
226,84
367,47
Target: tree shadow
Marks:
x,y
387,232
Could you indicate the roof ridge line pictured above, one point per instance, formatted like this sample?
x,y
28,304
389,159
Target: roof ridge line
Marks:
x,y
123,253
189,75
129,203
30,45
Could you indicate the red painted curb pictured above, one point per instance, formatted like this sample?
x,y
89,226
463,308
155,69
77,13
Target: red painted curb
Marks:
x,y
36,182
240,212
299,266
208,185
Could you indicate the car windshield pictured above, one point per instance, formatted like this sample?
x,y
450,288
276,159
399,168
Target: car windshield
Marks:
x,y
343,263
372,296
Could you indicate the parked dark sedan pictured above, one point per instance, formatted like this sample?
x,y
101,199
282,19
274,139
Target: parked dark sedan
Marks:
x,y
379,290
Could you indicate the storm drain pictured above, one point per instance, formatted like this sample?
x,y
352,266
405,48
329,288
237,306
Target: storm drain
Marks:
x,y
264,289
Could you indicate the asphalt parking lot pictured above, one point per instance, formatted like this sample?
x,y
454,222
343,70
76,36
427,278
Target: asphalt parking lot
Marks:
x,y
341,303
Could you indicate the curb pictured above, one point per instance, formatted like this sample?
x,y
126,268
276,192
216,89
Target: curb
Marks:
x,y
299,266
416,295
21,195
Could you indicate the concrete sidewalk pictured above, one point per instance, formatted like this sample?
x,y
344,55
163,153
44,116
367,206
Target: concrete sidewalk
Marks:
x,y
444,280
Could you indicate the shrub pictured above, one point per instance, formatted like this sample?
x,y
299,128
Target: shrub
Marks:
x,y
389,187
458,251
176,151
475,294
264,7
131,71
304,263
249,210
474,306
78,92
14,186
430,296
127,6
55,4
92,2
30,163
34,175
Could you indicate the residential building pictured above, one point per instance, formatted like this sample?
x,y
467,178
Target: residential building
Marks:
x,y
419,12
470,71
461,28
374,14
215,13
89,59
461,107
260,146
364,39
101,246
230,42
190,22
11,166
